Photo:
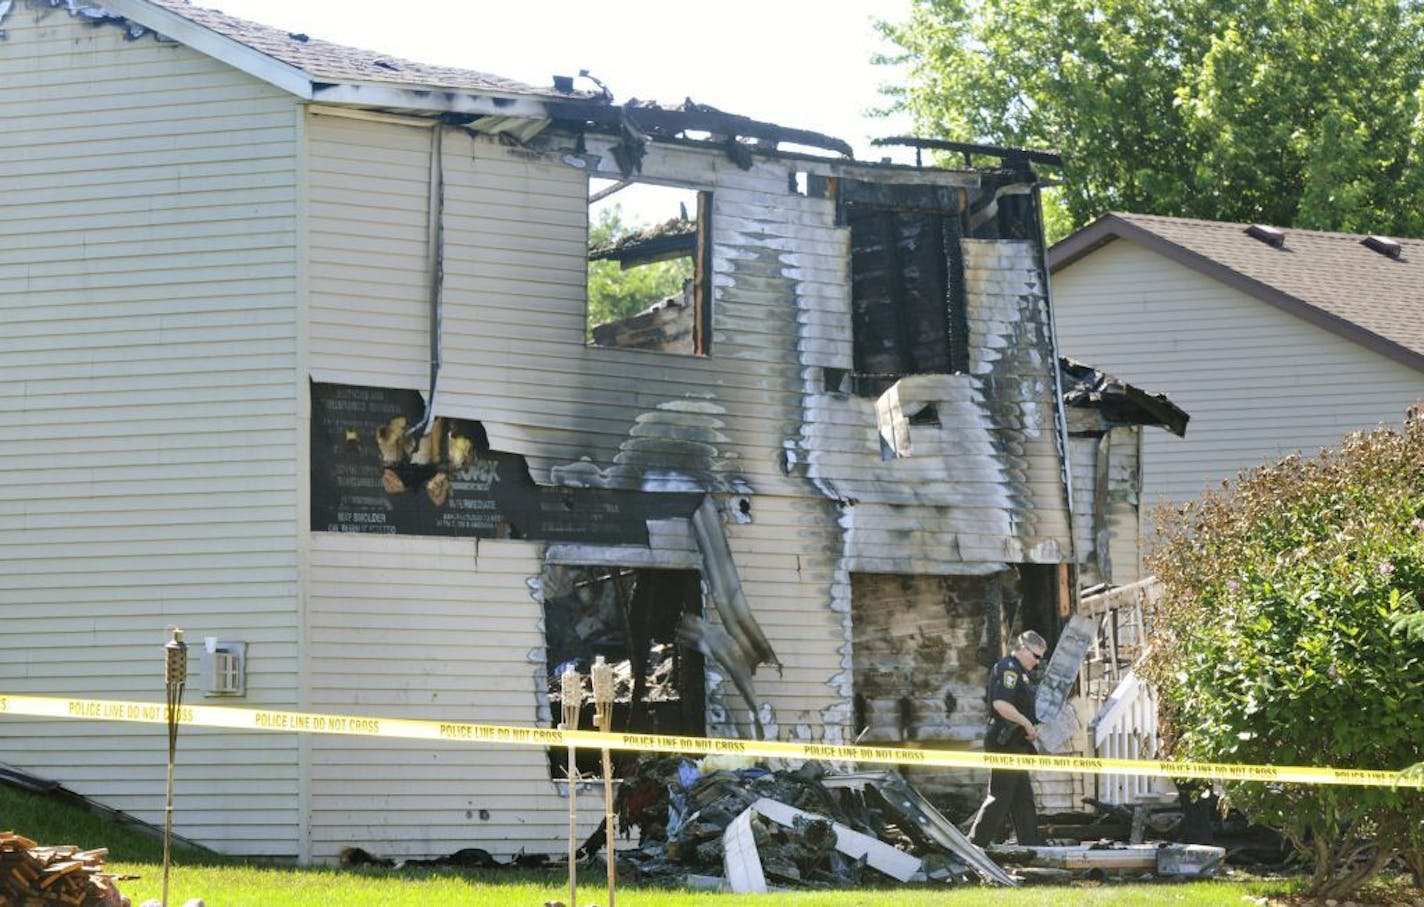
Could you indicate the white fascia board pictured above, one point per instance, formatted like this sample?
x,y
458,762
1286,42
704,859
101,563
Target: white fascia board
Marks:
x,y
397,96
219,47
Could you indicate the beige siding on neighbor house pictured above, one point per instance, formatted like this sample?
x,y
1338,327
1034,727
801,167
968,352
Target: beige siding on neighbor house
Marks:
x,y
1257,381
148,377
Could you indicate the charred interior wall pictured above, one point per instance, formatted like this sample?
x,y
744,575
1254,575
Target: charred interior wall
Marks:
x,y
922,648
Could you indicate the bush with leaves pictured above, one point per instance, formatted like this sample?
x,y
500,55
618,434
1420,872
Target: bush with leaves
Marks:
x,y
1289,634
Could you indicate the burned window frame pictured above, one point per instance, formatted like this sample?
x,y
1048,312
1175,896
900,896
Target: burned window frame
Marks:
x,y
701,280
638,592
906,273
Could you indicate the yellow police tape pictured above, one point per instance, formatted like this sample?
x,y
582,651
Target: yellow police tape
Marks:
x,y
307,722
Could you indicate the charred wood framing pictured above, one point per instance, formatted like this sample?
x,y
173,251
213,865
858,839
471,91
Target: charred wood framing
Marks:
x,y
907,282
673,239
630,617
369,475
1013,158
1118,401
636,122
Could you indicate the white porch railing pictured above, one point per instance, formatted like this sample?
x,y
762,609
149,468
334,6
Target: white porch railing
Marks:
x,y
1126,728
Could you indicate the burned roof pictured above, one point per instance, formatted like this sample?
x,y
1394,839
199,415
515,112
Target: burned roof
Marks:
x,y
327,61
1368,289
1117,400
675,238
337,74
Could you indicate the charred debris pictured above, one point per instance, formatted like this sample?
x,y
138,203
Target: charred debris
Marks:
x,y
726,824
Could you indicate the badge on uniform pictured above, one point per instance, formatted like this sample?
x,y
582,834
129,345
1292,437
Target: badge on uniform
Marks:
x,y
1011,679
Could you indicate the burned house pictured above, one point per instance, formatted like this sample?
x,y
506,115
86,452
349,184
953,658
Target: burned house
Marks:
x,y
297,341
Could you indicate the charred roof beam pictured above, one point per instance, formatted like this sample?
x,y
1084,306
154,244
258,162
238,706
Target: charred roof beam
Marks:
x,y
650,121
1019,159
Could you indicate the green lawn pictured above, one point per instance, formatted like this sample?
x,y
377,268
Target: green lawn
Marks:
x,y
245,886
225,882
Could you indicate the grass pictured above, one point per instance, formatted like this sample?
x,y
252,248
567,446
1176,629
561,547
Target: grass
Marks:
x,y
247,886
228,882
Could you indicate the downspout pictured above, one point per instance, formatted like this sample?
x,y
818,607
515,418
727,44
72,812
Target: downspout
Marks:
x,y
1059,409
434,267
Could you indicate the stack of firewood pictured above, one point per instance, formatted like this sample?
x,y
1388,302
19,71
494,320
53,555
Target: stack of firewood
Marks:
x,y
34,876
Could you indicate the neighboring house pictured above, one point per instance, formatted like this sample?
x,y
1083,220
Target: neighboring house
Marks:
x,y
296,358
1274,340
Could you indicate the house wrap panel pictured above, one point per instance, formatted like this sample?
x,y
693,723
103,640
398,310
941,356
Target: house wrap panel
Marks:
x,y
148,373
1270,384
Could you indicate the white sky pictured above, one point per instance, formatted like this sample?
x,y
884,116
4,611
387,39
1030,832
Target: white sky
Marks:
x,y
798,63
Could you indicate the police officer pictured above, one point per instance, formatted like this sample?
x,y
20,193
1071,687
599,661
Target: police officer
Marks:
x,y
1011,730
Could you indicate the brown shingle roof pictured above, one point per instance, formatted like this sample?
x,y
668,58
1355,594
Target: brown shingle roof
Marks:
x,y
325,61
1331,279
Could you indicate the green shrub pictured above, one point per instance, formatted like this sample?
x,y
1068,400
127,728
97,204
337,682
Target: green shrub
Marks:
x,y
1286,635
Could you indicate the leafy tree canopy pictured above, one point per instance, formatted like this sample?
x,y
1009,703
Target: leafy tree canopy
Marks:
x,y
615,293
1299,113
1287,635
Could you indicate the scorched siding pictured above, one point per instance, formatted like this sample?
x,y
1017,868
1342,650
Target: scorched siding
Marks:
x,y
148,374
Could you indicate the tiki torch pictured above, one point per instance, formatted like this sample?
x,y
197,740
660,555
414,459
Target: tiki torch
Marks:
x,y
572,689
175,654
603,717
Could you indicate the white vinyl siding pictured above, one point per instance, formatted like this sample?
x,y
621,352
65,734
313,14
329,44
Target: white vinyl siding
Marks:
x,y
1257,381
368,216
434,629
148,376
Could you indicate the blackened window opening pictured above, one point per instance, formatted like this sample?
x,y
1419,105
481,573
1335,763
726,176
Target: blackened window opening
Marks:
x,y
907,288
630,617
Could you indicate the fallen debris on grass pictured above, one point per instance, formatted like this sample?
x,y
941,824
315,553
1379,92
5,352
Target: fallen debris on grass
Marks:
x,y
755,827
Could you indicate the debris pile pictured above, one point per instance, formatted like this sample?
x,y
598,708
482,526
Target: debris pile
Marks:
x,y
34,876
747,827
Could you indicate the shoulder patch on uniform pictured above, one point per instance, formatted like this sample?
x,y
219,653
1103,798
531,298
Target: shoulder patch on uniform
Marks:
x,y
1011,679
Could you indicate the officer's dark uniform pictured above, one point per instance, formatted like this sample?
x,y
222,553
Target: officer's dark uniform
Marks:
x,y
1010,793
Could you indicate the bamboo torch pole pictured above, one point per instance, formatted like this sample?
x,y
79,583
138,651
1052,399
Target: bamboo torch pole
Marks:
x,y
175,657
603,716
572,689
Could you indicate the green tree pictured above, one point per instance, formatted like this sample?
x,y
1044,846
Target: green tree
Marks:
x,y
1284,637
615,293
1292,112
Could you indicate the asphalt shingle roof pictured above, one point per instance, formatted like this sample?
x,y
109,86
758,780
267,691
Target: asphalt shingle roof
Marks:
x,y
326,61
1332,278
